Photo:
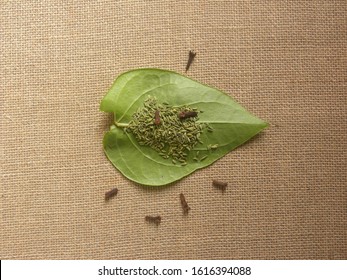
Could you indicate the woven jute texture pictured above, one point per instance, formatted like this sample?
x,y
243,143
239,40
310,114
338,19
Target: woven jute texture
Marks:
x,y
285,61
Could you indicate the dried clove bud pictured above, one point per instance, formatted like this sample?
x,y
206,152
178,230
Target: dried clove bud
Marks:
x,y
156,118
220,185
190,59
187,114
184,204
153,219
111,193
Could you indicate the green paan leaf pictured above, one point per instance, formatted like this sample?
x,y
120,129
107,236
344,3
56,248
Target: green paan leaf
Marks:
x,y
152,143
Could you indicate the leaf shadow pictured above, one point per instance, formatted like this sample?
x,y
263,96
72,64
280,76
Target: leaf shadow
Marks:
x,y
152,189
106,122
257,137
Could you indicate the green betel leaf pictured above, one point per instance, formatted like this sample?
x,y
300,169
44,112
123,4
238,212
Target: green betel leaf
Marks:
x,y
166,125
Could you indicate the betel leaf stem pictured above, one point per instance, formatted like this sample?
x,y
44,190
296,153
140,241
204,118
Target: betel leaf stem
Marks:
x,y
121,124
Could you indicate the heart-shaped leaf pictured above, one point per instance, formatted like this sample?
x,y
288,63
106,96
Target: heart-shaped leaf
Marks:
x,y
228,124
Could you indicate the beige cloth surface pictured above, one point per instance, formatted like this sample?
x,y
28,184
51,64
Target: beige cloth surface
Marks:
x,y
285,61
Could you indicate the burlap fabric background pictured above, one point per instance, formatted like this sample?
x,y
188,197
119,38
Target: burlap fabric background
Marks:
x,y
285,61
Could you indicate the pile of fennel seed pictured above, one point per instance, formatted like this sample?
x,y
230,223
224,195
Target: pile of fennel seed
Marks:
x,y
162,128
